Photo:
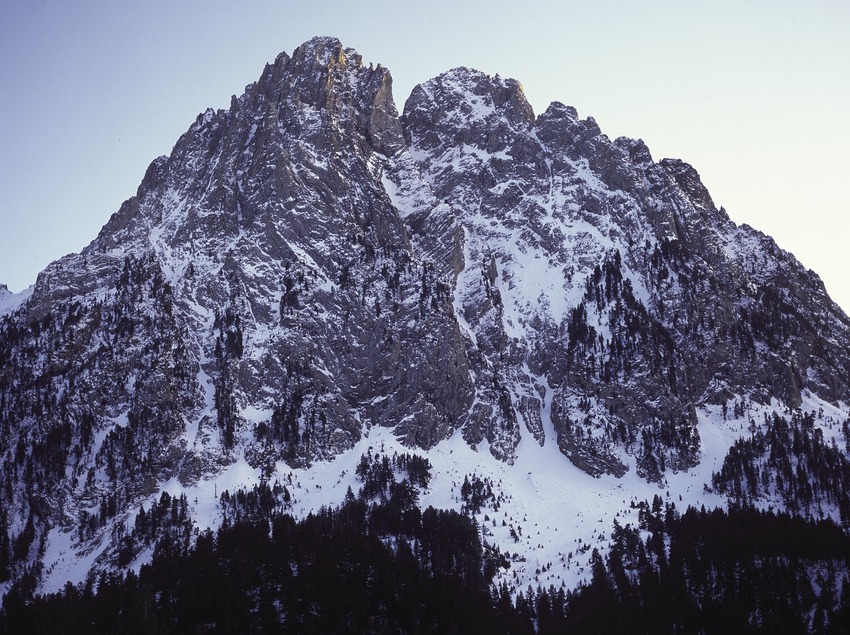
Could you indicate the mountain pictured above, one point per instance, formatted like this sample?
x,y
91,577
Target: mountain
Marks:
x,y
309,277
10,301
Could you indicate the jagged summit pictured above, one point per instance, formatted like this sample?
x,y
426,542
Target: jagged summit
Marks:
x,y
308,268
323,49
474,103
10,301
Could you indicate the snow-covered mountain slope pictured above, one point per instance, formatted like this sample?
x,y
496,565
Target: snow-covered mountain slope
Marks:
x,y
309,275
10,301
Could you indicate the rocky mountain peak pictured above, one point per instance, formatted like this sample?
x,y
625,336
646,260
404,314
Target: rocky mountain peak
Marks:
x,y
306,267
483,110
7,302
322,51
323,75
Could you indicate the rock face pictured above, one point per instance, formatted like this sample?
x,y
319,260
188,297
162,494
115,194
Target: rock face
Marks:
x,y
610,280
308,264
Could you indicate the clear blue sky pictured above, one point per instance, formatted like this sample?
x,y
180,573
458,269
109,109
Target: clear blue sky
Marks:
x,y
754,94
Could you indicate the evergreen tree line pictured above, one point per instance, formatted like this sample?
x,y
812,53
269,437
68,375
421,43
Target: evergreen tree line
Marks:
x,y
360,568
389,567
741,571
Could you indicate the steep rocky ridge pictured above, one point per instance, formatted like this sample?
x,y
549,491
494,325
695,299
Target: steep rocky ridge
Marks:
x,y
620,284
307,265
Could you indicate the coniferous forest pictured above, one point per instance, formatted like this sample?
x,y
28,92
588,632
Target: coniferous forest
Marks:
x,y
380,564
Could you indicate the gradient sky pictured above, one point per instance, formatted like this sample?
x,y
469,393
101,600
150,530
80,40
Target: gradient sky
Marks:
x,y
754,94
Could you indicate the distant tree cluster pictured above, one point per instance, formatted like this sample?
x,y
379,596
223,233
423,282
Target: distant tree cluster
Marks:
x,y
634,347
378,472
788,460
262,503
299,427
742,571
476,493
638,342
168,516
